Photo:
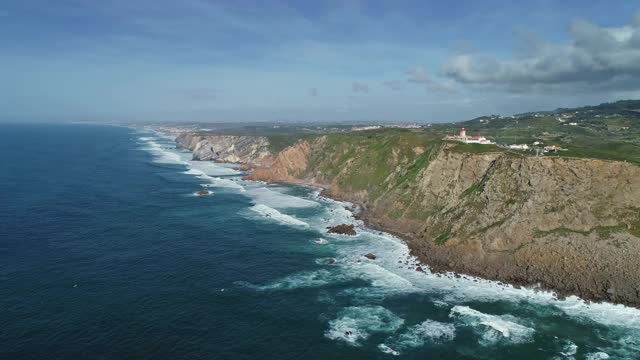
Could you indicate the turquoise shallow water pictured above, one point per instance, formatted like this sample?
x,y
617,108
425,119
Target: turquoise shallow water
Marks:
x,y
105,252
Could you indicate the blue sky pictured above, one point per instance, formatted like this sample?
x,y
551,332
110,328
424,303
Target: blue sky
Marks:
x,y
202,60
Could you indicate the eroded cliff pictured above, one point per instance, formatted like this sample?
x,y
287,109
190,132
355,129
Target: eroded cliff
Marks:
x,y
227,148
572,225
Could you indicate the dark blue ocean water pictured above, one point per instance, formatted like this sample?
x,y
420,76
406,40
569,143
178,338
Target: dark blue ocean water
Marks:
x,y
105,252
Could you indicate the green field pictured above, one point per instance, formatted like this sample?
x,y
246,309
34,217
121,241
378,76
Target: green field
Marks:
x,y
607,131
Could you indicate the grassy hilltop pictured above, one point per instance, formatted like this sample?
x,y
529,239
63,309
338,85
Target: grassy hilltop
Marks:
x,y
609,131
606,131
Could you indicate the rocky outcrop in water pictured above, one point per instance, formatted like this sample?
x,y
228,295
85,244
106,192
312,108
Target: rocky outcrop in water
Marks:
x,y
342,229
227,148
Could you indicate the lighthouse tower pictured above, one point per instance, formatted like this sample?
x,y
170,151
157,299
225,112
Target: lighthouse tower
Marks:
x,y
463,134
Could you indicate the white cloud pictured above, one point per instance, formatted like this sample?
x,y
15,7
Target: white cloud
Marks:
x,y
598,57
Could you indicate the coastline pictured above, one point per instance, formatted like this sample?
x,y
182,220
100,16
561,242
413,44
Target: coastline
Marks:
x,y
394,273
372,223
534,268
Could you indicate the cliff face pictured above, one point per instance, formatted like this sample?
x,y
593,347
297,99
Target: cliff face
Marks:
x,y
572,225
288,166
227,148
568,224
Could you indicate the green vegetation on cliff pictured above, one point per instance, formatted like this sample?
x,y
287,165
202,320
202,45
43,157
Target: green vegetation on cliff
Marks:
x,y
609,131
373,161
568,224
565,223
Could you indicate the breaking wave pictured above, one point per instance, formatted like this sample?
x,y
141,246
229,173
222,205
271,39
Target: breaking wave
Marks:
x,y
427,331
278,200
387,350
159,153
597,356
493,329
213,169
214,181
270,213
356,323
306,279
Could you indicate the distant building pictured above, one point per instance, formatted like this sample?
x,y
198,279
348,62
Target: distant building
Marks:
x,y
537,143
469,139
363,128
519,147
403,126
552,148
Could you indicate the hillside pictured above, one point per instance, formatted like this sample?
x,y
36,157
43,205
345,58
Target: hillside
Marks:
x,y
607,131
572,225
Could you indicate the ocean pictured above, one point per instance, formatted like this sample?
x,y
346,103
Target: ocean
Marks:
x,y
107,252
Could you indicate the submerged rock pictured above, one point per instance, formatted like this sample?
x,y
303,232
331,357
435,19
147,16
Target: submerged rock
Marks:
x,y
202,193
342,229
370,256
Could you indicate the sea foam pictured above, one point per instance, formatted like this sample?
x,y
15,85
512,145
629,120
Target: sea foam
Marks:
x,y
270,213
160,154
276,199
493,329
214,181
213,169
428,331
356,323
306,279
597,356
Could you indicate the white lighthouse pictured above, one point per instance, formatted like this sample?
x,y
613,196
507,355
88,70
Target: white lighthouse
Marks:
x,y
469,139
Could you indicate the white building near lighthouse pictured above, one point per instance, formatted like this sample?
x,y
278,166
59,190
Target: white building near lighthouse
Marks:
x,y
469,139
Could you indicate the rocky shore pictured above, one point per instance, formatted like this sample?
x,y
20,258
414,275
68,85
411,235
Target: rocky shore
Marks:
x,y
570,225
342,229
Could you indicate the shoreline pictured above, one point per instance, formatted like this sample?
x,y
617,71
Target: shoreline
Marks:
x,y
445,259
364,215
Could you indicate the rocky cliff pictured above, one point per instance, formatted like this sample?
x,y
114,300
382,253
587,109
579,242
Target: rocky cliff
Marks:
x,y
572,225
227,148
289,166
